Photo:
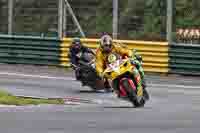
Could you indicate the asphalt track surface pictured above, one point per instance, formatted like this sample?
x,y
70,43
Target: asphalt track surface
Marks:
x,y
174,106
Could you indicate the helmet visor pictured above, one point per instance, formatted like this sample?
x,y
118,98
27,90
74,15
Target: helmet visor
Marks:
x,y
107,47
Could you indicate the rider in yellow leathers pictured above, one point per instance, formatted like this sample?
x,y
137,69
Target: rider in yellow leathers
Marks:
x,y
107,47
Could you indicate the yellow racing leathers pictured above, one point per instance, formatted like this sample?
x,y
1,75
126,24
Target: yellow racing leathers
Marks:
x,y
101,60
101,57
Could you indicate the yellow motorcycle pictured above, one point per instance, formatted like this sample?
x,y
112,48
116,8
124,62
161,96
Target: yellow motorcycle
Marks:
x,y
119,73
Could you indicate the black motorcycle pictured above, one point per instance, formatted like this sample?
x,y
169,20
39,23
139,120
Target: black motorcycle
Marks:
x,y
86,73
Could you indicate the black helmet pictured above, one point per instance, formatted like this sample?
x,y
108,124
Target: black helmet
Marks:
x,y
106,43
77,43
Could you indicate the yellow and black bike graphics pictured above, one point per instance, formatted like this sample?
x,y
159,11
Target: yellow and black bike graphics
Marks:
x,y
118,67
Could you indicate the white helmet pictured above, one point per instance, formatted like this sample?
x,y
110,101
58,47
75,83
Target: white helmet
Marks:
x,y
106,43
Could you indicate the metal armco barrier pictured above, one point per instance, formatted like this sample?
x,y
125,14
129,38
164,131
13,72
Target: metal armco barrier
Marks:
x,y
155,54
29,50
185,59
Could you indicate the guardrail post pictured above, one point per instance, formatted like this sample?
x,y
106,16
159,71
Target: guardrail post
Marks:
x,y
60,19
115,19
10,16
69,8
169,20
64,20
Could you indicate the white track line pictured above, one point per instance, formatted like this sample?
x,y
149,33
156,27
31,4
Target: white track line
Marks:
x,y
174,86
72,79
35,76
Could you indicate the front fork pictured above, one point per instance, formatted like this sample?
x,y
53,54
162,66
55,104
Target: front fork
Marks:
x,y
138,82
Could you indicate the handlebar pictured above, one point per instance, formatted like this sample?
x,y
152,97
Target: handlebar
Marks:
x,y
73,65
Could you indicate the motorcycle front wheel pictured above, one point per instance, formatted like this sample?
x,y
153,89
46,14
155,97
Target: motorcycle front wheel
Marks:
x,y
130,88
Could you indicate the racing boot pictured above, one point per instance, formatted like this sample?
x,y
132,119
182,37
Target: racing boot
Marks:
x,y
83,83
78,74
107,86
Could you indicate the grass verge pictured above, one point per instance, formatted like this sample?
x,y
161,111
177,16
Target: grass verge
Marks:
x,y
8,99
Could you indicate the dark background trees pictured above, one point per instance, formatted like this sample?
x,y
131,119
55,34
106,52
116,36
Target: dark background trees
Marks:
x,y
138,19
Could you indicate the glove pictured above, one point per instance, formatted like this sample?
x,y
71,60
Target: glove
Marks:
x,y
133,62
139,58
73,66
101,75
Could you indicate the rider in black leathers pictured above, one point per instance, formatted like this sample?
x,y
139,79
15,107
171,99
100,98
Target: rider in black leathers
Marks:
x,y
75,48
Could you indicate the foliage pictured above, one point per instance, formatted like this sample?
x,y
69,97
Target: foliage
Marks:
x,y
8,99
187,13
138,19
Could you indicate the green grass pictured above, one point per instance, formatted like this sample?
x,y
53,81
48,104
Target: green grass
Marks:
x,y
8,99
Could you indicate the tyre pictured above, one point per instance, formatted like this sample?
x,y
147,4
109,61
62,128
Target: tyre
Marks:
x,y
130,88
146,94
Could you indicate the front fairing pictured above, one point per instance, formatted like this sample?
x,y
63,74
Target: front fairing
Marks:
x,y
118,68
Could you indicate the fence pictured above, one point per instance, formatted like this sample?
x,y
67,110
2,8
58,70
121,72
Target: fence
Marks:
x,y
184,51
32,17
155,54
184,59
154,20
4,16
186,21
159,57
48,51
130,19
29,50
